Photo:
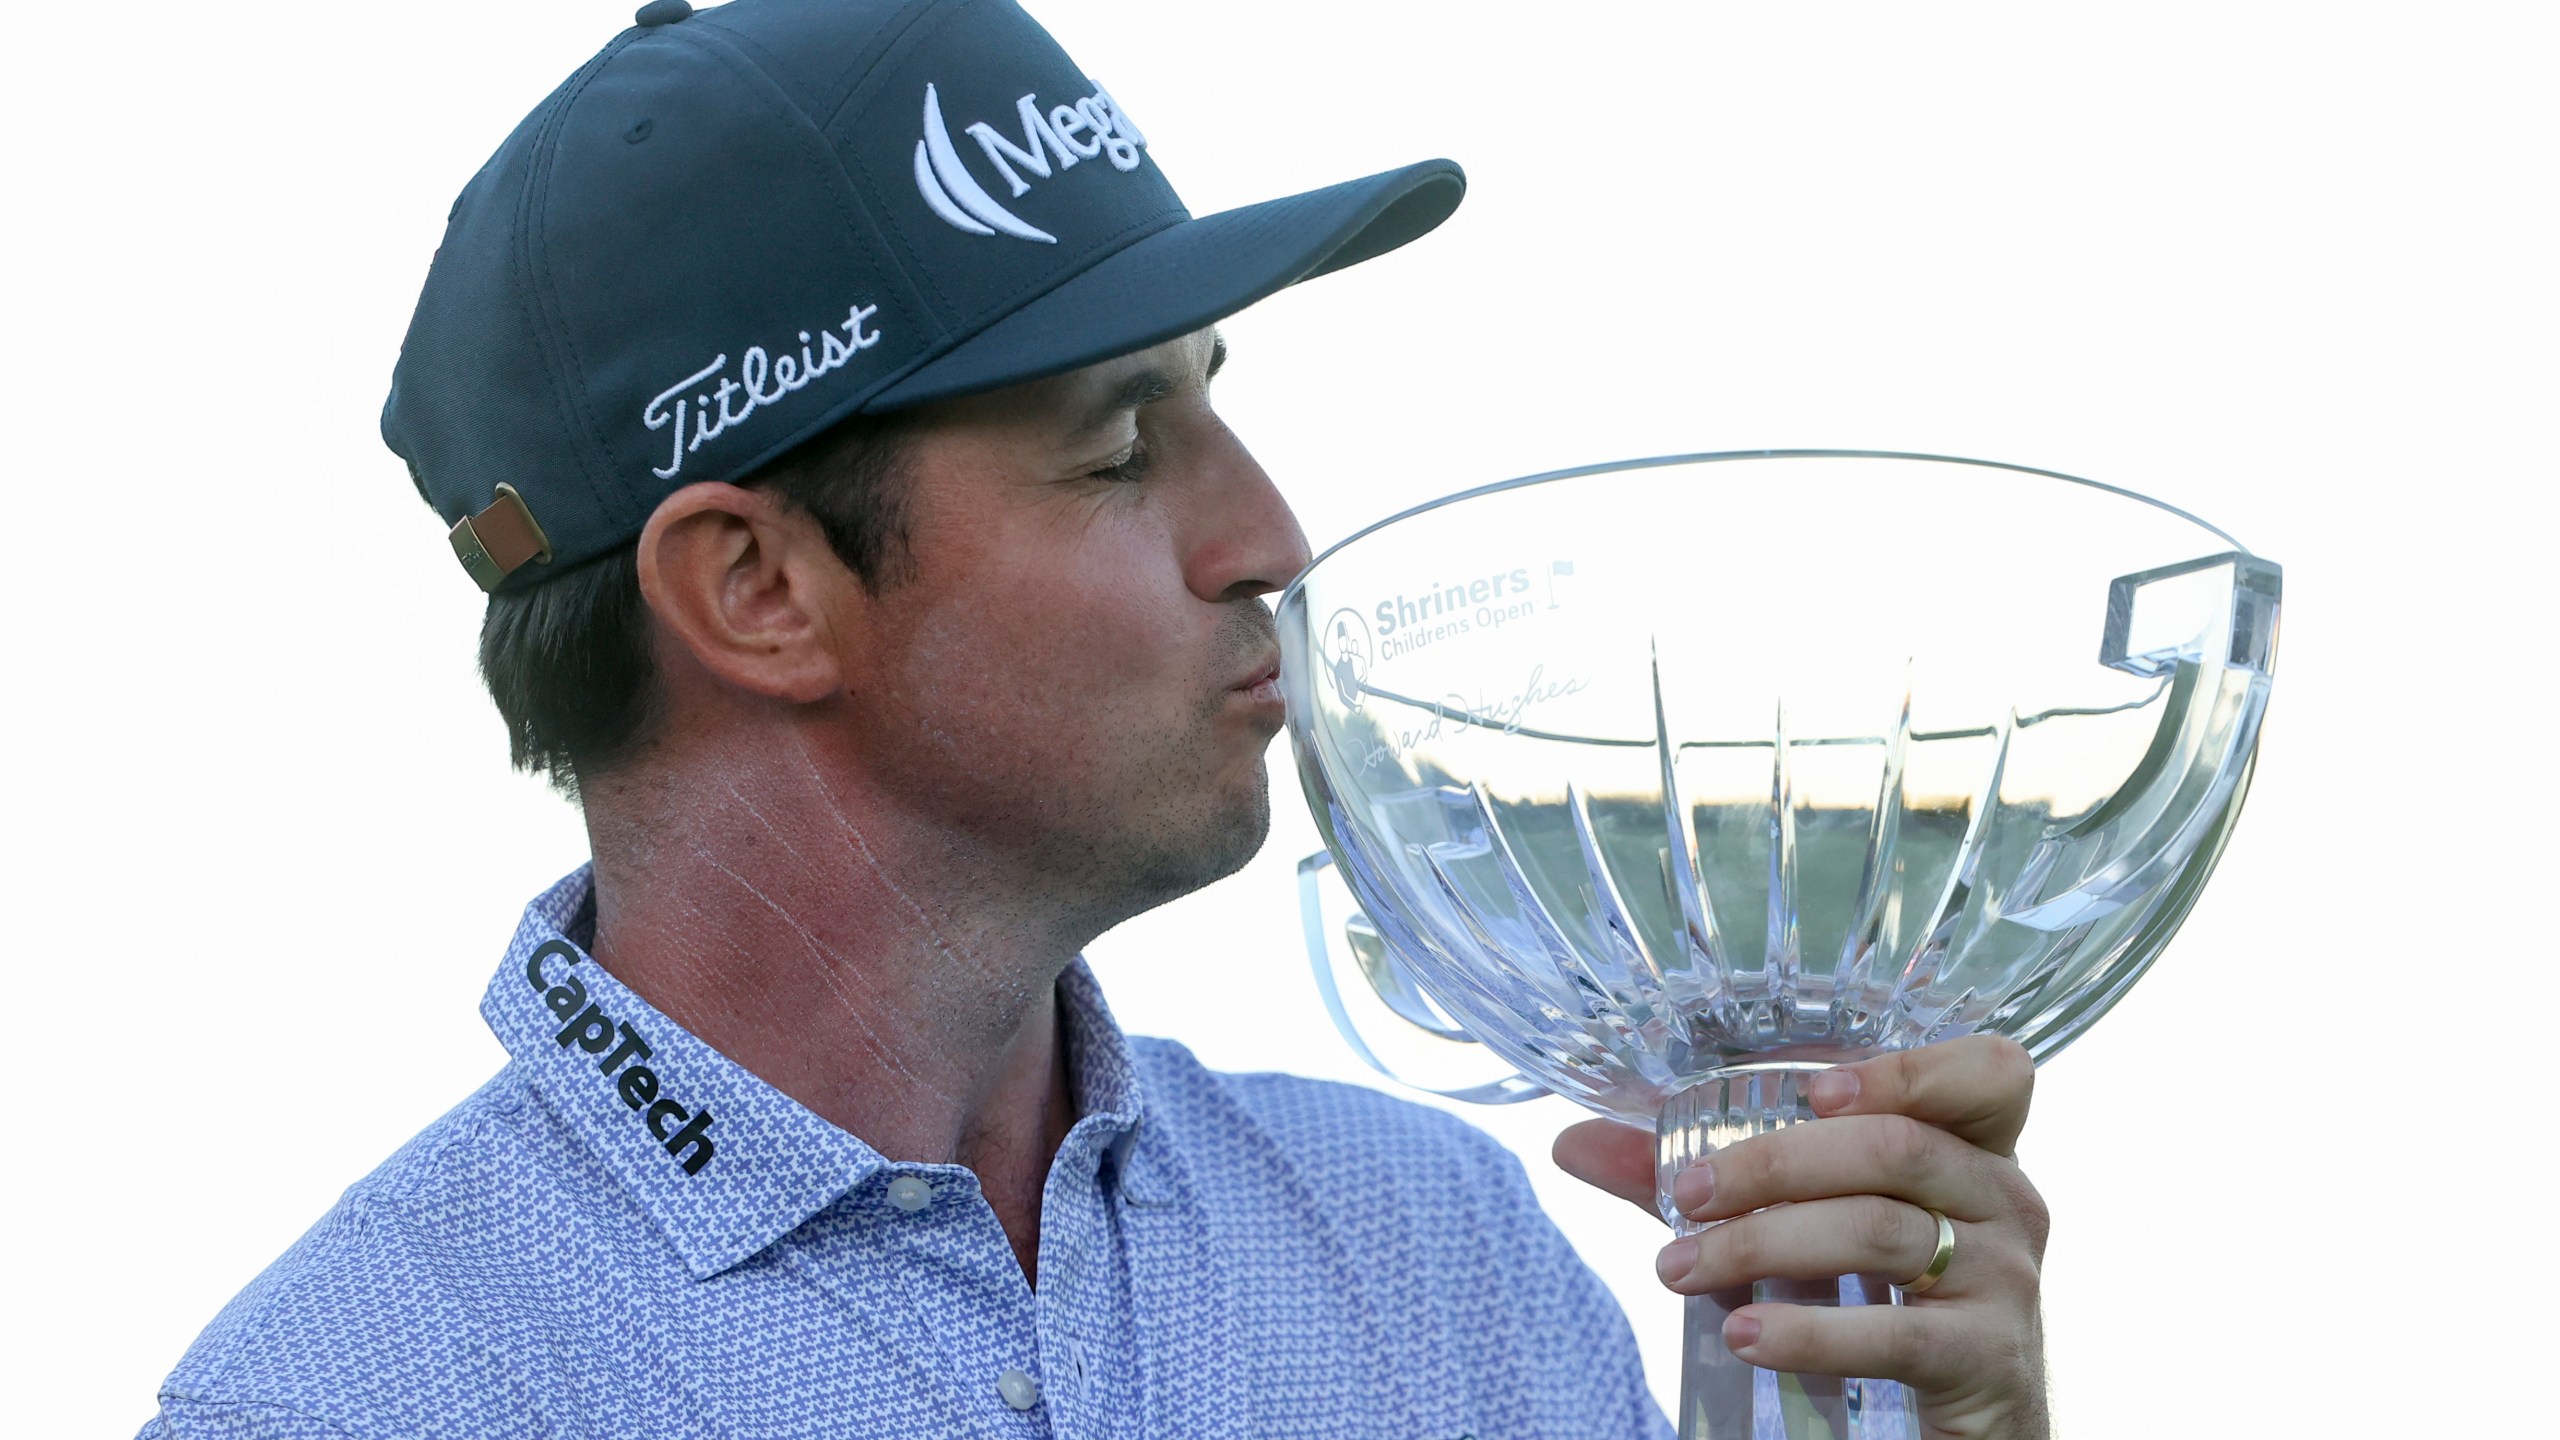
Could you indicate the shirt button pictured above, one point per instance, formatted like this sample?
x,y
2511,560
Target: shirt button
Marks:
x,y
1019,1390
910,1194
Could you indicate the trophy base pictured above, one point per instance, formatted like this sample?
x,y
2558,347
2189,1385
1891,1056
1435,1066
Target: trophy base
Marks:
x,y
1722,1396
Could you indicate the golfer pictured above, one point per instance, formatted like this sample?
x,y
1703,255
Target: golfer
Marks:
x,y
820,389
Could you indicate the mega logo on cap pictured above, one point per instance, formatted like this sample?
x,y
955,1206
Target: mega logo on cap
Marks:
x,y
1052,143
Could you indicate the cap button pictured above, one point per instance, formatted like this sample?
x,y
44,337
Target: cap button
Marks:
x,y
661,12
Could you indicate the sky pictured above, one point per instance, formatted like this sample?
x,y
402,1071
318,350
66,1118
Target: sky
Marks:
x,y
2285,266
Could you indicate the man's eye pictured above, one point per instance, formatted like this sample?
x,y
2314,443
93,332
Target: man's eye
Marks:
x,y
1129,465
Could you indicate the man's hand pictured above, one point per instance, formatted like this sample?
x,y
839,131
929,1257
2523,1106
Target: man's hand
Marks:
x,y
1900,1134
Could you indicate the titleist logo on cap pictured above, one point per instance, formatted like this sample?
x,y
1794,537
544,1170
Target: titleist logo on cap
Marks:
x,y
1051,143
762,379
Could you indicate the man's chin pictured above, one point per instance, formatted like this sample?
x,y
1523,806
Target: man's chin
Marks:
x,y
1212,852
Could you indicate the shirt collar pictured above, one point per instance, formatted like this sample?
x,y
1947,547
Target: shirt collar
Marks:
x,y
721,1162
1100,1069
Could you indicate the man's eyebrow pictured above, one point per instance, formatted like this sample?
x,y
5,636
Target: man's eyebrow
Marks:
x,y
1144,388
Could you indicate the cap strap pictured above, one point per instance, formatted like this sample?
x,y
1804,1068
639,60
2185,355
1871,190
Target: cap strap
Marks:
x,y
499,540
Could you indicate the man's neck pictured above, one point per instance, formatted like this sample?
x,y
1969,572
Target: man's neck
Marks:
x,y
886,984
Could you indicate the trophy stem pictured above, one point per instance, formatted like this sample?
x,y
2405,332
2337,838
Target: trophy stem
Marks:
x,y
1723,1397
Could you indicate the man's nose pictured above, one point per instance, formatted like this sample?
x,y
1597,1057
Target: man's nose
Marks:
x,y
1251,544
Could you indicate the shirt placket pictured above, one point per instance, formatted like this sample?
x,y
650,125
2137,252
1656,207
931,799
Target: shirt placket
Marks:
x,y
1182,1314
1082,1299
926,1235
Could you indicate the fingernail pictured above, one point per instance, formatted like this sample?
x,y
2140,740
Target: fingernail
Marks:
x,y
1740,1331
1692,1188
1677,1259
1832,1090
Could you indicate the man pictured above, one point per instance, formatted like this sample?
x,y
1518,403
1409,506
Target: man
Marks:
x,y
821,391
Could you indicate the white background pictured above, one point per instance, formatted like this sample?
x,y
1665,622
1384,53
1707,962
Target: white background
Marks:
x,y
2288,266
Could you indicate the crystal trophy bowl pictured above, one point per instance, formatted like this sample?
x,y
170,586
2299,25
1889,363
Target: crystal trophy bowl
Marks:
x,y
1662,785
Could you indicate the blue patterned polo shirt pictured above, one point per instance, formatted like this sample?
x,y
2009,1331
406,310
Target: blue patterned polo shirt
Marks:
x,y
626,1234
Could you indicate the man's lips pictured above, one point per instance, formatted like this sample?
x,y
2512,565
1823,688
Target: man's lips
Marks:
x,y
1264,682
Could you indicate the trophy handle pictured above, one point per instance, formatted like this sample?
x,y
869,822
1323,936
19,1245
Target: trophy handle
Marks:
x,y
1378,1009
2205,630
2138,644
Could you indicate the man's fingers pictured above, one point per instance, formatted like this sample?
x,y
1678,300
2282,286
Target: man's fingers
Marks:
x,y
1885,1155
1617,1158
1934,1350
1976,1089
1853,1235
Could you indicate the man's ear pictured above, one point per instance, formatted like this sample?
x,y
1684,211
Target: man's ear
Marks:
x,y
748,585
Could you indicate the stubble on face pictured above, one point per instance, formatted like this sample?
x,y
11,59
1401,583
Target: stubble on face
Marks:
x,y
1201,826
1056,695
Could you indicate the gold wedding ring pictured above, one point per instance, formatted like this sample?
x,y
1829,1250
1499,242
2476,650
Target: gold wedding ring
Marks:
x,y
1937,1262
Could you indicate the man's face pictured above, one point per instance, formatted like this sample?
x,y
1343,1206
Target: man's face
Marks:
x,y
1075,669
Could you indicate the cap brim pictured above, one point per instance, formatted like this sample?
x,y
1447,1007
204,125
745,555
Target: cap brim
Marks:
x,y
1186,276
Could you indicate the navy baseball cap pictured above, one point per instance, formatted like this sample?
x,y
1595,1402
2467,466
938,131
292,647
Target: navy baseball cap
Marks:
x,y
735,227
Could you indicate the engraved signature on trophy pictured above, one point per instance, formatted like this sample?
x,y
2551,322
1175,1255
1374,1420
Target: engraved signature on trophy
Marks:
x,y
1453,712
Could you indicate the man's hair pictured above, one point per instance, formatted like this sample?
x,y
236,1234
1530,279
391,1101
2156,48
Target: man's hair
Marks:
x,y
569,661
